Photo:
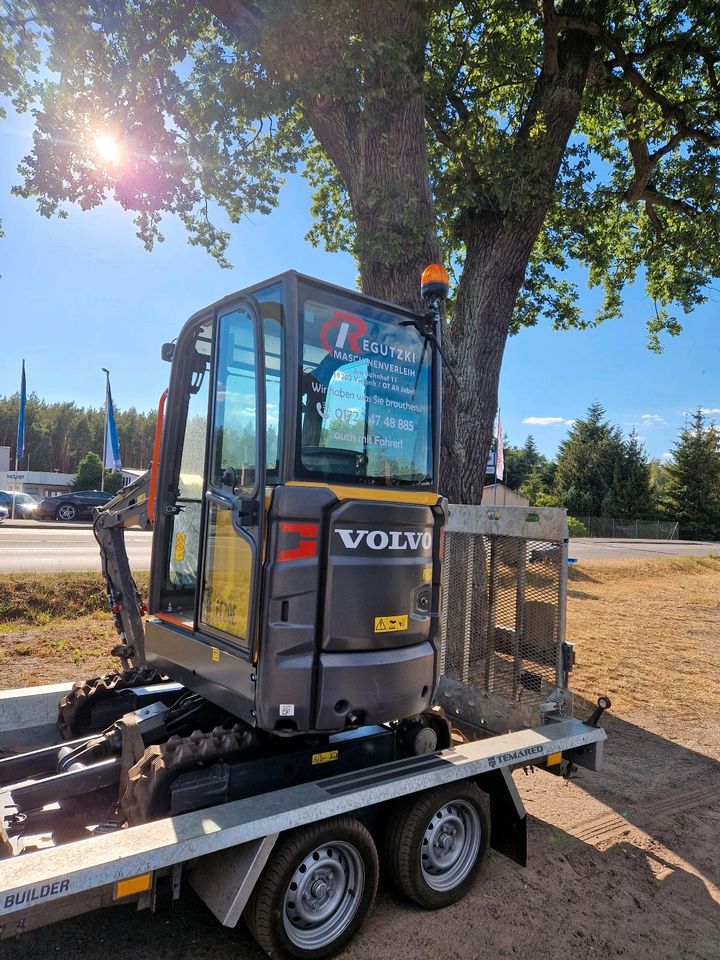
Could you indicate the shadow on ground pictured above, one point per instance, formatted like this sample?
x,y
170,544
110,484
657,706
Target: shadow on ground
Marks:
x,y
622,862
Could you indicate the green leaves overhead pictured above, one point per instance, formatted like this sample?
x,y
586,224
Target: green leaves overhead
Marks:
x,y
212,104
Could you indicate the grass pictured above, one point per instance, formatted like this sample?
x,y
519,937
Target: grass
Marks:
x,y
55,627
647,632
29,599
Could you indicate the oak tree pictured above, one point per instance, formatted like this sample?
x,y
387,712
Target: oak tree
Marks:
x,y
511,138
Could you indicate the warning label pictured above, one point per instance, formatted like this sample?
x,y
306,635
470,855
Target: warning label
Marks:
x,y
391,624
179,552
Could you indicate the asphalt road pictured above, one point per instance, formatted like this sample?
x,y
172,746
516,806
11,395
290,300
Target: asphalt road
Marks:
x,y
29,546
617,549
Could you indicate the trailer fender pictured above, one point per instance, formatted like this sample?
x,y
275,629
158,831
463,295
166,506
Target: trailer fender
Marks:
x,y
508,819
225,880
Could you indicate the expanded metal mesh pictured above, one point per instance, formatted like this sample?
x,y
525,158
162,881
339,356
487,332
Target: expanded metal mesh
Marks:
x,y
501,614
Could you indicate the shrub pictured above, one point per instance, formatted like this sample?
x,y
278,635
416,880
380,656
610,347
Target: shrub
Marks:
x,y
576,528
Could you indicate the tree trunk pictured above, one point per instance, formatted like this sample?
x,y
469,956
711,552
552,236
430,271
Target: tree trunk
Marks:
x,y
370,121
486,295
499,246
380,151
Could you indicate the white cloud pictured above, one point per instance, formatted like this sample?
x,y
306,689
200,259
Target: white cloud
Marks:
x,y
652,418
571,423
707,410
667,455
543,421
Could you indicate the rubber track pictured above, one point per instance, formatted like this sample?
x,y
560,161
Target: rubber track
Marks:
x,y
150,778
84,692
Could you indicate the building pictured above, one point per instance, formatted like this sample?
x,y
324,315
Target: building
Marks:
x,y
38,483
130,476
502,497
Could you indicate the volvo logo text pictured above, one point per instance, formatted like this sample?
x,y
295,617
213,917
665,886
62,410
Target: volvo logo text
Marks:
x,y
386,539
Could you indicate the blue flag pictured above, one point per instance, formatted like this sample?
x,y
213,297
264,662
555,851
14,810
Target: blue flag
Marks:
x,y
112,445
20,445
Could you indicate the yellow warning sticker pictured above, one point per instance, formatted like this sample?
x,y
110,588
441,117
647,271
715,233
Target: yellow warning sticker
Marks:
x,y
427,574
179,552
215,654
391,624
324,757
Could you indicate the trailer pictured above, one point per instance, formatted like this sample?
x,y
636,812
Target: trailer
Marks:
x,y
300,860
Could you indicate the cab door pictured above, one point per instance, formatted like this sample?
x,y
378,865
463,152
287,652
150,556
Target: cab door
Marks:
x,y
234,521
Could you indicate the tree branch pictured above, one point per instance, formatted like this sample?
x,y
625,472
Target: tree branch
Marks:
x,y
672,112
173,23
550,39
236,16
680,206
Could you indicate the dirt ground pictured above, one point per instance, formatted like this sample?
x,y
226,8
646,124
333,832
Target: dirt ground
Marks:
x,y
625,862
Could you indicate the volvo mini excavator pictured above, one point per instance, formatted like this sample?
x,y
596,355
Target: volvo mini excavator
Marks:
x,y
275,708
295,576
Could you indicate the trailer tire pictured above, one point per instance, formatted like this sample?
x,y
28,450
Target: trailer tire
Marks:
x,y
333,867
436,843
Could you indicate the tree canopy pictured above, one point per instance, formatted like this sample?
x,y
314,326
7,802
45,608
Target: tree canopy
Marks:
x,y
512,139
88,475
58,435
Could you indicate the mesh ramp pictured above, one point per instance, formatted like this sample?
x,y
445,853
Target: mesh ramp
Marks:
x,y
503,615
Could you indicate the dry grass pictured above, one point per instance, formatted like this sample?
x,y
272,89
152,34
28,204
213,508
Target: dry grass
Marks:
x,y
37,599
56,652
647,632
54,627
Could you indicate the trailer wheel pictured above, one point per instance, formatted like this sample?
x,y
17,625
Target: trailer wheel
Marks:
x,y
436,843
316,891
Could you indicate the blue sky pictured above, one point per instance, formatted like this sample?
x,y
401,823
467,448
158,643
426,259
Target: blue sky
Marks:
x,y
80,294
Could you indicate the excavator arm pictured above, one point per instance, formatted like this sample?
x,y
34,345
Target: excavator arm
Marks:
x,y
129,508
133,506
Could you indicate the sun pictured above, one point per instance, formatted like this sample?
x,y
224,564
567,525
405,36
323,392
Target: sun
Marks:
x,y
108,148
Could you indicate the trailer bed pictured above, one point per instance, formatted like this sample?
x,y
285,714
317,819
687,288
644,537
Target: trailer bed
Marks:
x,y
48,884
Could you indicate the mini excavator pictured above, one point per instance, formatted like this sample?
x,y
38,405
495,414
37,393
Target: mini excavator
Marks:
x,y
293,611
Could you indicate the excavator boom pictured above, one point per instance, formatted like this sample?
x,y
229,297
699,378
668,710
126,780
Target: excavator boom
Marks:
x,y
129,508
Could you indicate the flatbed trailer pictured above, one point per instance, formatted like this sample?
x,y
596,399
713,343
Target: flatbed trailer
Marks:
x,y
220,851
504,688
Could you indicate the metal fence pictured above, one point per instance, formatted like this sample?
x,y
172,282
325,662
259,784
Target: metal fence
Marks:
x,y
503,610
631,529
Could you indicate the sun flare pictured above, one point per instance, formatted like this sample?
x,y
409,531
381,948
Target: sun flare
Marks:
x,y
108,148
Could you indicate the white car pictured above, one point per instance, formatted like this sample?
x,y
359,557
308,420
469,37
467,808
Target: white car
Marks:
x,y
4,514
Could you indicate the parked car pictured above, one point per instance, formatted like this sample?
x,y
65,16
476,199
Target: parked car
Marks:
x,y
78,505
3,514
25,505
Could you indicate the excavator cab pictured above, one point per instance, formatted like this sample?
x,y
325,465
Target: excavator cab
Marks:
x,y
295,576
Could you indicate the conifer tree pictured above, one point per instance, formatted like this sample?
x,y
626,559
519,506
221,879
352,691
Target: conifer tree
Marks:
x,y
692,491
630,496
586,463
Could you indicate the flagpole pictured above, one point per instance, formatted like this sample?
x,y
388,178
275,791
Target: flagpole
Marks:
x,y
105,427
497,454
20,437
21,421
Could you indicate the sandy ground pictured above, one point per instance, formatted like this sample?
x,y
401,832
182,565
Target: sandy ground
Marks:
x,y
621,863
